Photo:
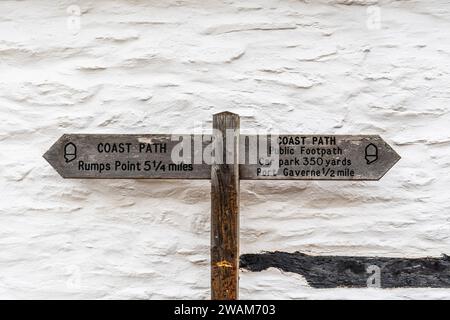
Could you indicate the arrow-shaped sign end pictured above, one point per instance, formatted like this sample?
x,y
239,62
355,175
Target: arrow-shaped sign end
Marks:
x,y
390,160
52,155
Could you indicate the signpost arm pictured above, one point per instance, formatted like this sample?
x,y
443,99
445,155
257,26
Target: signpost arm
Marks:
x,y
225,208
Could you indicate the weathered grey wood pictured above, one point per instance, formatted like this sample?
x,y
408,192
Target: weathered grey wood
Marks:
x,y
299,167
225,211
158,159
350,164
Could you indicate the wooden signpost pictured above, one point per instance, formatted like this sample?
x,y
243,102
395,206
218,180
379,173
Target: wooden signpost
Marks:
x,y
225,158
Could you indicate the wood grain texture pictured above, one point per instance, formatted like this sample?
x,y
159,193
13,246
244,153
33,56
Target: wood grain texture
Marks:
x,y
225,213
155,159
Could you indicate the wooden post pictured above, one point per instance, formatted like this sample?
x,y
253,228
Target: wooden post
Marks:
x,y
225,208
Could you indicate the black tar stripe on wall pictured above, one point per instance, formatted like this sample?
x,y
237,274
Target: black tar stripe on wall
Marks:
x,y
341,271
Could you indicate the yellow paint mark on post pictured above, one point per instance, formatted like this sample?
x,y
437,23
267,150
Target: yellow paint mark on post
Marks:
x,y
224,264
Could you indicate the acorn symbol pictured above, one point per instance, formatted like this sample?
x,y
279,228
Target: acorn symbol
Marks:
x,y
70,152
371,153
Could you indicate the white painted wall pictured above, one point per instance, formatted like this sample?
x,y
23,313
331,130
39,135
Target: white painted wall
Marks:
x,y
317,66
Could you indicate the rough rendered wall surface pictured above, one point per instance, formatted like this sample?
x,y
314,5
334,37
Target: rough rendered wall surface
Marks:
x,y
322,66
